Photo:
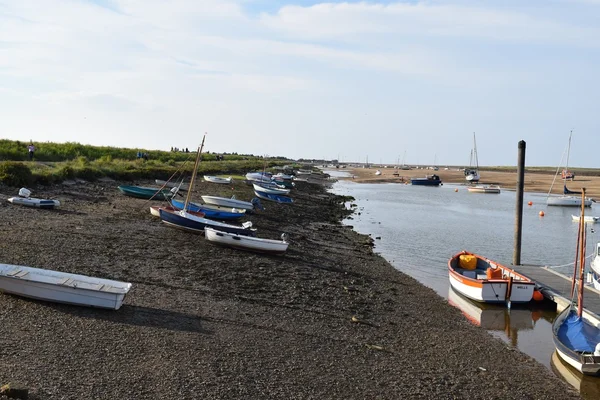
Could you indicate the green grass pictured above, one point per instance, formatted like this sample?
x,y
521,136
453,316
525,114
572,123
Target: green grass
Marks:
x,y
57,162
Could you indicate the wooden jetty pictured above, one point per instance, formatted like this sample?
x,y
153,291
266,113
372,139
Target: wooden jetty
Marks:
x,y
557,287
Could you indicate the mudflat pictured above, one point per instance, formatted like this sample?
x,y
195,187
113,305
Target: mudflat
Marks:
x,y
534,181
328,320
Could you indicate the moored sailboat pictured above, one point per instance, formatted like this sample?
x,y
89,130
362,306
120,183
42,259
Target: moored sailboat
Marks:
x,y
472,173
576,335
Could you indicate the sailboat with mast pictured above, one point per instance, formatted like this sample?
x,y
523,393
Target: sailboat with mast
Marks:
x,y
472,173
567,199
183,219
576,336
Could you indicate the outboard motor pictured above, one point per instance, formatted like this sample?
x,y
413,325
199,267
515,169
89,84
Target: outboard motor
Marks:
x,y
23,192
284,237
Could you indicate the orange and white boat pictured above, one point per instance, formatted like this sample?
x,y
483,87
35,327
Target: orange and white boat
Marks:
x,y
487,281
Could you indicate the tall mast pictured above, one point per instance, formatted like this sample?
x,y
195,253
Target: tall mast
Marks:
x,y
189,193
581,255
475,152
568,153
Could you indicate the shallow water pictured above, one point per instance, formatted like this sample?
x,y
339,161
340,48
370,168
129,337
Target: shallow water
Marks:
x,y
420,228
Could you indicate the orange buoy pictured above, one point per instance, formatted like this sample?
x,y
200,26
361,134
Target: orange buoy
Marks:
x,y
530,203
537,295
536,315
542,214
456,190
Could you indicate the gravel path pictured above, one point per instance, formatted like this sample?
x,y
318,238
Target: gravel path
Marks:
x,y
328,320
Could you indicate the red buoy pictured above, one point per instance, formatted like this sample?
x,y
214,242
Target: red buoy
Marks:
x,y
530,203
537,295
542,214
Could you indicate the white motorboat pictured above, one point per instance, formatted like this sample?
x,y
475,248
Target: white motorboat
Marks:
x,y
62,287
170,184
246,242
270,189
217,179
586,219
567,201
484,189
228,202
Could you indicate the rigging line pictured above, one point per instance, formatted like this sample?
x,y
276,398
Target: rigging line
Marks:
x,y
165,184
564,265
557,169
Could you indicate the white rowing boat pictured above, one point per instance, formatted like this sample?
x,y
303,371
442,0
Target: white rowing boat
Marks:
x,y
217,179
587,218
246,242
62,287
227,202
33,202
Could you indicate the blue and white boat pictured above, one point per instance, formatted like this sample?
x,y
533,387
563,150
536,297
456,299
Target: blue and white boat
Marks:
x,y
270,189
273,197
576,333
184,220
209,211
428,180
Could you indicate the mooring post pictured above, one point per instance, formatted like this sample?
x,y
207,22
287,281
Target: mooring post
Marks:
x,y
519,207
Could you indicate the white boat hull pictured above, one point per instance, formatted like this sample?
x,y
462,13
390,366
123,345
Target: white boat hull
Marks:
x,y
33,202
573,358
246,242
269,190
225,202
492,292
567,201
586,219
484,189
61,287
217,179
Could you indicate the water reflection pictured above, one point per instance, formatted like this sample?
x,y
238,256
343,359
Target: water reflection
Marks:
x,y
495,317
588,386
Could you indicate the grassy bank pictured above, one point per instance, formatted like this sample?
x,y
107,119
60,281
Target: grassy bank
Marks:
x,y
55,162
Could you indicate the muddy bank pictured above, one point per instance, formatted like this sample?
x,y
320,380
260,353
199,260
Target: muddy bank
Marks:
x,y
327,320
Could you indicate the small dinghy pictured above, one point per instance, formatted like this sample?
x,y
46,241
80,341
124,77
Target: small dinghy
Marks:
x,y
24,200
270,189
586,219
187,221
487,281
484,189
217,179
273,197
246,242
147,193
62,287
155,210
228,202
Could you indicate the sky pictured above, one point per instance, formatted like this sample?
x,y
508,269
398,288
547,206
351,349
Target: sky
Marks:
x,y
387,80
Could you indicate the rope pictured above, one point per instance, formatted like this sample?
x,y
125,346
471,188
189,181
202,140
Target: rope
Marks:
x,y
567,264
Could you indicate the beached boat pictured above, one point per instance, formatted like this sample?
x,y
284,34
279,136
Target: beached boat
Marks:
x,y
246,242
62,287
259,176
285,184
283,176
24,200
217,179
211,211
270,189
595,268
590,385
484,189
587,218
181,186
576,335
472,173
568,198
428,180
33,202
487,281
146,192
273,197
378,172
155,211
228,202
187,221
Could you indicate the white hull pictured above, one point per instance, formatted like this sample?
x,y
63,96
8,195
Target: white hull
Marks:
x,y
217,179
573,358
567,201
33,202
225,202
586,219
61,287
245,242
263,189
183,186
484,189
493,292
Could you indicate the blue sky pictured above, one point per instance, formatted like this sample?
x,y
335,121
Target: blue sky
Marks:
x,y
307,78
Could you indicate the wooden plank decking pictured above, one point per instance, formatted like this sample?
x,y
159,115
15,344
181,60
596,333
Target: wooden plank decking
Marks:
x,y
557,287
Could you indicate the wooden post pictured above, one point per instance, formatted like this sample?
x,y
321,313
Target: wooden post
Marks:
x,y
519,206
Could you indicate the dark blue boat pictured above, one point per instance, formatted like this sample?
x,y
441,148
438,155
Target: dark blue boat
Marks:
x,y
429,180
208,212
196,224
273,197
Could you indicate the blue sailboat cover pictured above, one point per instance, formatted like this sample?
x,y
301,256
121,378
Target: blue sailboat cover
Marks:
x,y
577,335
567,191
